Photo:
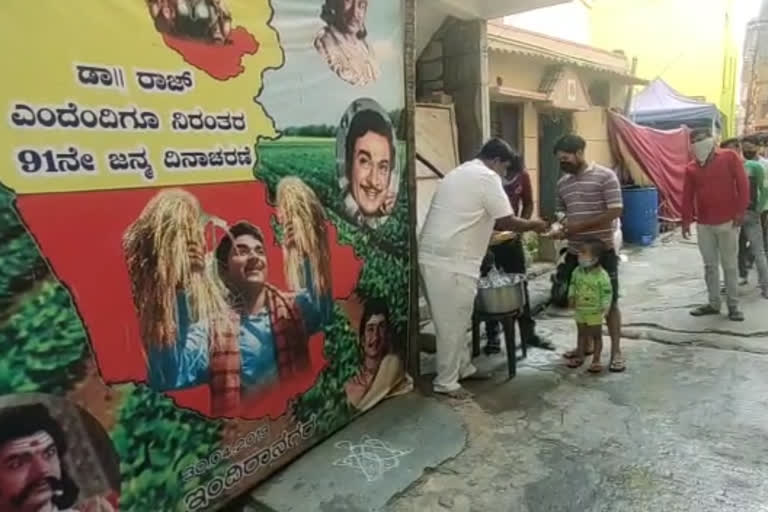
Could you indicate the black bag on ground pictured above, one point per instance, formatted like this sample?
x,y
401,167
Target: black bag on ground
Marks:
x,y
560,282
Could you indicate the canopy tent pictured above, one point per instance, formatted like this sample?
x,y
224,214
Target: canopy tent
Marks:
x,y
660,106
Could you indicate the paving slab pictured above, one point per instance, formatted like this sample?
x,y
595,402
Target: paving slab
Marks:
x,y
363,466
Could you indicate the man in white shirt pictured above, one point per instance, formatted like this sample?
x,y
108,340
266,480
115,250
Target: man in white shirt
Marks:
x,y
467,205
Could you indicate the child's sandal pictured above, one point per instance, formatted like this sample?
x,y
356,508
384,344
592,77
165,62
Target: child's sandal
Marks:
x,y
575,362
596,368
571,354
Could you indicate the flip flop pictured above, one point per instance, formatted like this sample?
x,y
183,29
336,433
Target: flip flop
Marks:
x,y
617,366
595,368
574,363
571,354
458,394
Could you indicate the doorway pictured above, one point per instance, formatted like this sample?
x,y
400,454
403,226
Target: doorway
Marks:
x,y
507,123
552,125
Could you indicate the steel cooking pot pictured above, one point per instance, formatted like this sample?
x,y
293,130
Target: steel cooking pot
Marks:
x,y
501,294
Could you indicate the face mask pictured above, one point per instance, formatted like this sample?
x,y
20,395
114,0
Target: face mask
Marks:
x,y
569,167
587,262
703,149
750,155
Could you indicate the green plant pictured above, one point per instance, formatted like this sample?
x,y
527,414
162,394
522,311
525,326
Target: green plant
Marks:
x,y
156,441
531,247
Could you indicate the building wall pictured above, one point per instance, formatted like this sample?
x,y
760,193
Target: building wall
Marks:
x,y
465,79
688,43
526,73
754,78
518,71
450,64
430,69
593,126
531,148
454,64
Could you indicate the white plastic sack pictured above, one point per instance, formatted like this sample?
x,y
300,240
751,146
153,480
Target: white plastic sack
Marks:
x,y
618,237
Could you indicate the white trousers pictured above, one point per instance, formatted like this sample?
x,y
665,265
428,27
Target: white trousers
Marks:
x,y
719,245
451,299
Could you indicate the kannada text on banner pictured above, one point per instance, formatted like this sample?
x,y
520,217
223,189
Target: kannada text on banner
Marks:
x,y
183,113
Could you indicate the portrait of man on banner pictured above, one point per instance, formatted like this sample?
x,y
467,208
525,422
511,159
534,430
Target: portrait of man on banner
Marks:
x,y
342,42
380,367
33,471
367,164
213,318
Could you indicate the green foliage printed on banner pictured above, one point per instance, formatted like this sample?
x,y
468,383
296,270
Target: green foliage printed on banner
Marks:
x,y
45,347
326,399
42,338
43,344
384,253
155,441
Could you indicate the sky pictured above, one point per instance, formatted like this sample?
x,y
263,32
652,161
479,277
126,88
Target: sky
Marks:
x,y
565,21
304,91
744,12
570,21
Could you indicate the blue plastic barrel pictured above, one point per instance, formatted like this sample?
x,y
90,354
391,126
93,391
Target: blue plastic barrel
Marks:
x,y
640,221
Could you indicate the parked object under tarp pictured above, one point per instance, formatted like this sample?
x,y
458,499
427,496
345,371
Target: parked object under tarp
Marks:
x,y
662,107
652,157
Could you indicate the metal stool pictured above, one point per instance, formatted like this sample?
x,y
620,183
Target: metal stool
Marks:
x,y
508,321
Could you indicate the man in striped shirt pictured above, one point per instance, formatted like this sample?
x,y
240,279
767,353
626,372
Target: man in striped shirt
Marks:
x,y
590,197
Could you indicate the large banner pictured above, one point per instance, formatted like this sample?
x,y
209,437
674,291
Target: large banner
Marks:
x,y
204,236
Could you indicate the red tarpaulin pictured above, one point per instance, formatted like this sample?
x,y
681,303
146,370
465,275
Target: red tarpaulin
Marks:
x,y
652,157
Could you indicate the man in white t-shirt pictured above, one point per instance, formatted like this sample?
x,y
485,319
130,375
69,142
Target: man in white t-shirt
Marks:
x,y
467,205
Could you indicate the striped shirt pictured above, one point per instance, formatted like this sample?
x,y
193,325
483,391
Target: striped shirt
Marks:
x,y
585,195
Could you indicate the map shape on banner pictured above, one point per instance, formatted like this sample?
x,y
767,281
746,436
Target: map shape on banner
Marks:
x,y
204,230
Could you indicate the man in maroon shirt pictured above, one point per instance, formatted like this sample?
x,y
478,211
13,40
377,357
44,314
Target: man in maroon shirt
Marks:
x,y
509,257
716,194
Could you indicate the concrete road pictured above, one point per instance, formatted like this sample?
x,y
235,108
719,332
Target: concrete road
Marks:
x,y
684,429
